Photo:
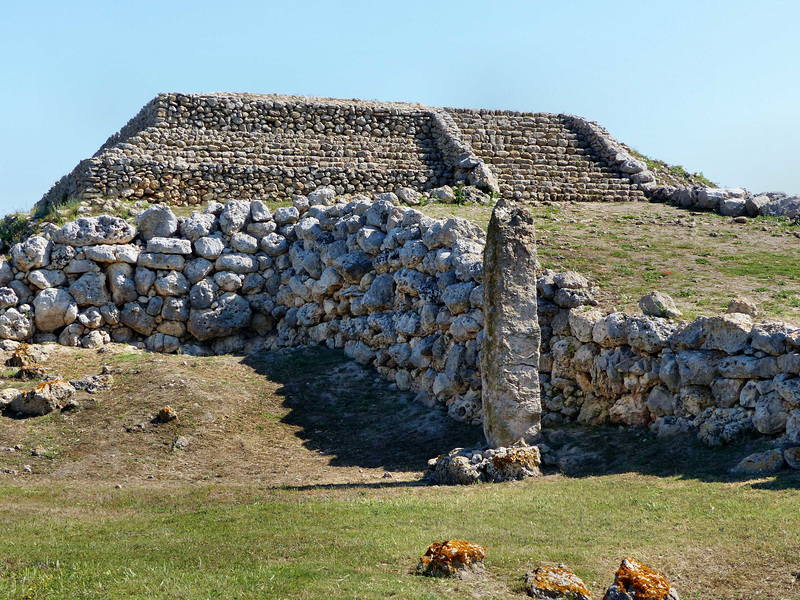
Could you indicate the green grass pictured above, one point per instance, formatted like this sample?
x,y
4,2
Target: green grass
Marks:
x,y
364,543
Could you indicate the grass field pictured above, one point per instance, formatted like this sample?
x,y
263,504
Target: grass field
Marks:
x,y
712,539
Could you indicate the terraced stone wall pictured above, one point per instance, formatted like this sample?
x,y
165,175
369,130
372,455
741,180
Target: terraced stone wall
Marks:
x,y
188,148
548,157
184,149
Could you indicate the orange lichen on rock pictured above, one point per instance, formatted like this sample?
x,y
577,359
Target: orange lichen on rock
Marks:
x,y
31,371
451,558
547,583
167,414
22,357
635,581
523,458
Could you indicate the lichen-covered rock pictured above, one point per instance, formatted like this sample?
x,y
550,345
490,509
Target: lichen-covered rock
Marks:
x,y
635,581
718,426
760,463
510,358
43,399
88,231
510,464
555,583
452,558
495,465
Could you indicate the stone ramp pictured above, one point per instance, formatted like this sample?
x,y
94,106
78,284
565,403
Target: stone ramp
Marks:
x,y
543,157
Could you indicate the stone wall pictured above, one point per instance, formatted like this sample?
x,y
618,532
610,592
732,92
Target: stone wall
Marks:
x,y
397,290
723,377
392,287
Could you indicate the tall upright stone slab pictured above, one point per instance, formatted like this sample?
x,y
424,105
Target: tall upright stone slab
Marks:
x,y
512,407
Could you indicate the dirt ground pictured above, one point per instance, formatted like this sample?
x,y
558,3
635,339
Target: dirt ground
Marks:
x,y
302,417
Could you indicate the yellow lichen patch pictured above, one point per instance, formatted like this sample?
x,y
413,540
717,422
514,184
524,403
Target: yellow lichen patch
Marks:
x,y
50,384
555,582
449,558
528,458
640,581
31,371
22,357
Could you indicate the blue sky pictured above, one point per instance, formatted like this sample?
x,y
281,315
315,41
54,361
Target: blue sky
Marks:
x,y
713,86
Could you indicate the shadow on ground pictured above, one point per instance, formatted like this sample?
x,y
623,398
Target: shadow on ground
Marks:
x,y
592,451
346,411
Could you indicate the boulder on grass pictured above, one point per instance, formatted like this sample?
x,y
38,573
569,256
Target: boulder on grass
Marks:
x,y
635,581
555,583
452,558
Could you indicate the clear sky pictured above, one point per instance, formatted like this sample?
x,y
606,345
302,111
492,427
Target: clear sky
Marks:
x,y
713,86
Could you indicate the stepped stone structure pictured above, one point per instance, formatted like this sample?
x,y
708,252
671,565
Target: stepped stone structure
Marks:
x,y
189,148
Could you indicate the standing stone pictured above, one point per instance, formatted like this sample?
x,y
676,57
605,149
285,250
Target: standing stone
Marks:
x,y
510,355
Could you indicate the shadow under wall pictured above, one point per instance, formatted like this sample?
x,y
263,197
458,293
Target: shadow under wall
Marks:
x,y
346,411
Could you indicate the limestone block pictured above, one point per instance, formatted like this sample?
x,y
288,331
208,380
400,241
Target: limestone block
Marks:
x,y
33,253
121,283
658,304
231,315
134,316
161,262
88,231
15,325
90,289
237,263
156,221
162,245
172,284
198,225
43,399
234,216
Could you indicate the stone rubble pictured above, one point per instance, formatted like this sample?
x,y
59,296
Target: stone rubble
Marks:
x,y
493,465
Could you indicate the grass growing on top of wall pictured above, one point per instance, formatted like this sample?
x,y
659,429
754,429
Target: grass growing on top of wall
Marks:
x,y
672,174
701,259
